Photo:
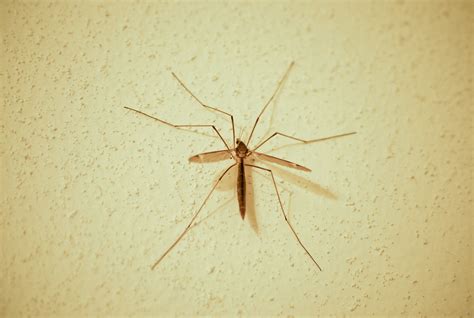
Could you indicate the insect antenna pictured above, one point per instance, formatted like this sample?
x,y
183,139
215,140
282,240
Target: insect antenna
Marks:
x,y
241,132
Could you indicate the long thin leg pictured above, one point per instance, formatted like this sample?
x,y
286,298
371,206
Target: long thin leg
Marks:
x,y
183,126
192,220
271,98
290,193
207,106
301,140
284,214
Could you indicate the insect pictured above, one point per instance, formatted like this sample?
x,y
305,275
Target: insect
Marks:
x,y
240,152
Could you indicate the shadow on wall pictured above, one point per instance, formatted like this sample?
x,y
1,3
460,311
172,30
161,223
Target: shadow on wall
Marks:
x,y
228,183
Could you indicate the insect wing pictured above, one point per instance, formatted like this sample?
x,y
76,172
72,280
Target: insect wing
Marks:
x,y
279,161
212,156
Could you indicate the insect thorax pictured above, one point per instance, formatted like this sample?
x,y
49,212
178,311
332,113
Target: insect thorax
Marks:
x,y
241,151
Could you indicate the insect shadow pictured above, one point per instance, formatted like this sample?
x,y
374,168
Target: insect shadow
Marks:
x,y
228,183
245,157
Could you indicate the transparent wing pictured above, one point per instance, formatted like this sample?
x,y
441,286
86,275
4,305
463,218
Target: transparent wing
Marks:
x,y
279,161
212,156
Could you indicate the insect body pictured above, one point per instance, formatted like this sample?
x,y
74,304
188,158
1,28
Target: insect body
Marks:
x,y
240,152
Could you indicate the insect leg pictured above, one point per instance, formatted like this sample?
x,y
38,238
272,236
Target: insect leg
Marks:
x,y
192,220
301,140
271,98
284,214
184,126
290,193
207,106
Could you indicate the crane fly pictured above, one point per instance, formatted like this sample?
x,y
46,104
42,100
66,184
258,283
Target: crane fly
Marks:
x,y
240,153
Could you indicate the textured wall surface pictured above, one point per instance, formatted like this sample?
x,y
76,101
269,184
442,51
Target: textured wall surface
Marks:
x,y
92,193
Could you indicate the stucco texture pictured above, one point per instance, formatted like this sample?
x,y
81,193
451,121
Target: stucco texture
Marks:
x,y
92,193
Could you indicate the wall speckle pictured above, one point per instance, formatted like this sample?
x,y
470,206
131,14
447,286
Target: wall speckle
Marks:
x,y
92,193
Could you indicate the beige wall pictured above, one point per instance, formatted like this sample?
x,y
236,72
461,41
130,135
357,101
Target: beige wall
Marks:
x,y
92,193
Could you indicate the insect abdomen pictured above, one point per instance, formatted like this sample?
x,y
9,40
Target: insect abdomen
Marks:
x,y
241,189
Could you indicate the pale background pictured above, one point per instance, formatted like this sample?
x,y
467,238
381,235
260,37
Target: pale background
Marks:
x,y
92,194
